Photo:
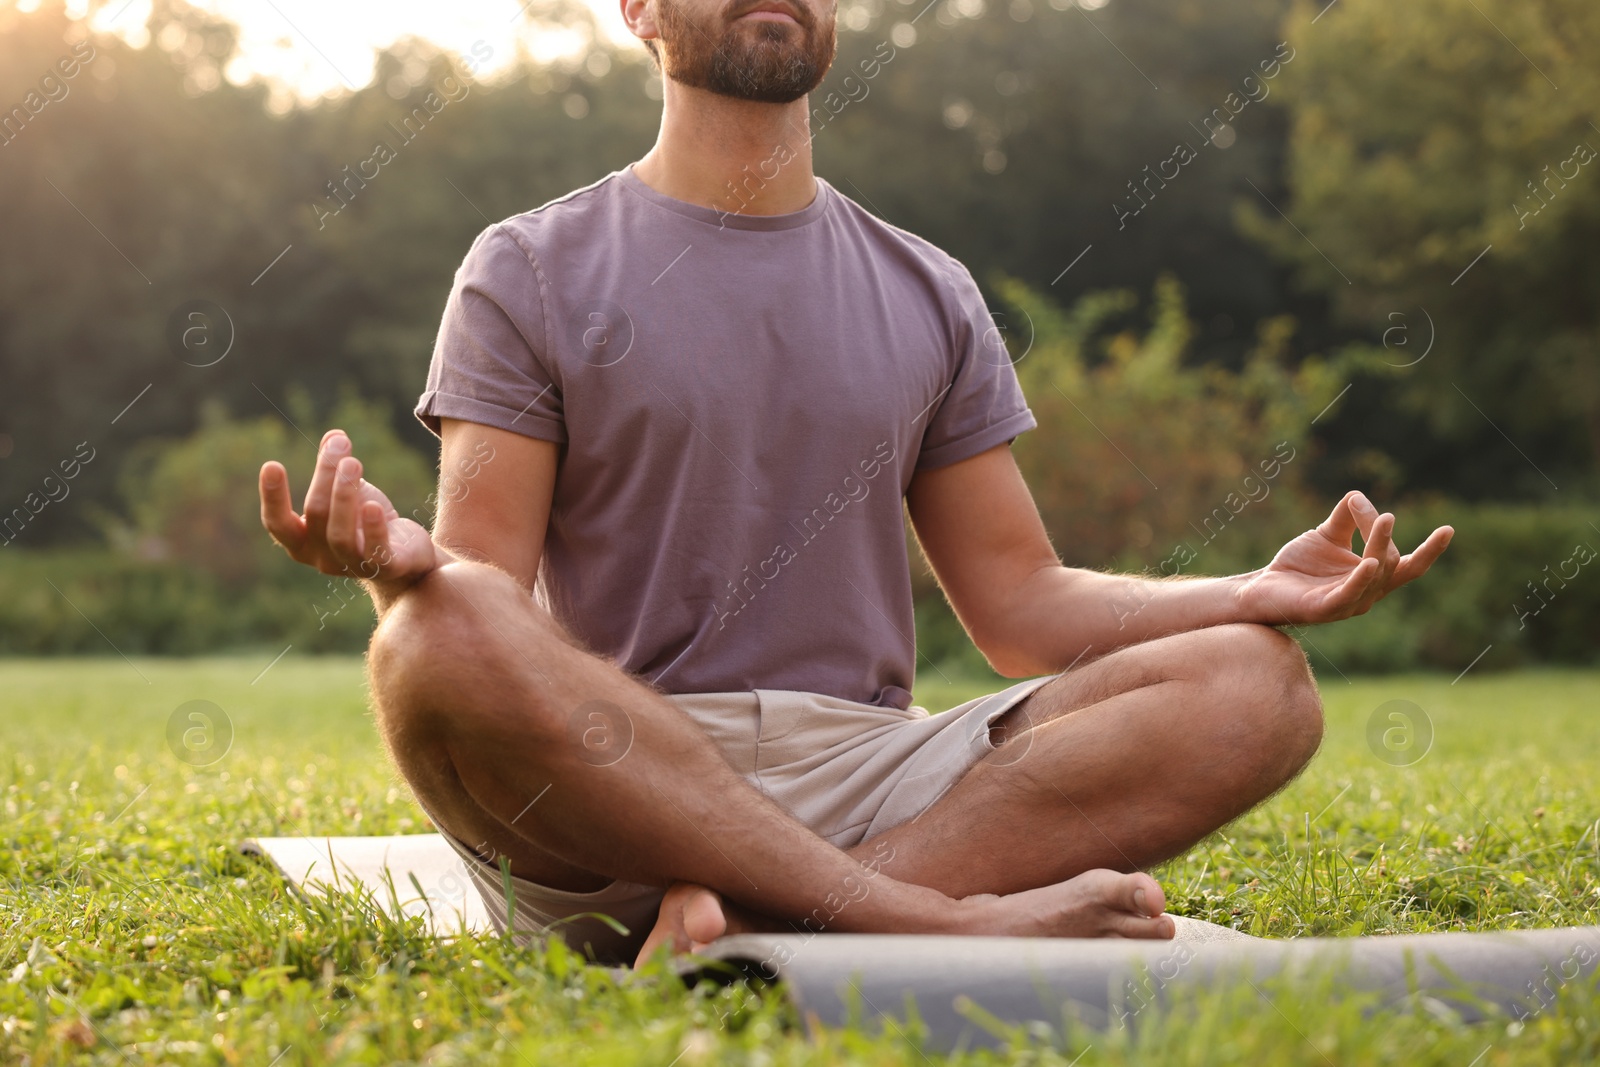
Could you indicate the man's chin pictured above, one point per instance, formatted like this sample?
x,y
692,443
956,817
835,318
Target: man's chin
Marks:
x,y
775,67
759,91
763,98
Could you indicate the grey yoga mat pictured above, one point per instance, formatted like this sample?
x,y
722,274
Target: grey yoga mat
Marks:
x,y
956,981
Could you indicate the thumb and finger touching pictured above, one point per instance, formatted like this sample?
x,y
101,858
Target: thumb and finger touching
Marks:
x,y
1340,525
1366,583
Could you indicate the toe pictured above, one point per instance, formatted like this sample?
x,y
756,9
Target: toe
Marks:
x,y
670,921
1144,928
1142,895
663,934
703,918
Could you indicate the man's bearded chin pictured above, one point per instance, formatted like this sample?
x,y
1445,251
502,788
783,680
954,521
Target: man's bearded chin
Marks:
x,y
767,62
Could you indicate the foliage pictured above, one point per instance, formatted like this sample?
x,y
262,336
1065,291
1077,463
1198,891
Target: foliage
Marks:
x,y
1185,492
100,602
190,570
1518,585
1005,132
204,189
1140,454
193,500
1424,136
1119,488
1513,590
1010,131
136,932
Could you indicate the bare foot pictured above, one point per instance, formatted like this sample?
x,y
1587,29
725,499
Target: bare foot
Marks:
x,y
691,917
1098,903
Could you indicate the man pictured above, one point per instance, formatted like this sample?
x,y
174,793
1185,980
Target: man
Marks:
x,y
655,660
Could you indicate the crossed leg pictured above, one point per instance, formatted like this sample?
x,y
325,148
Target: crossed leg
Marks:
x,y
477,690
1116,765
1121,763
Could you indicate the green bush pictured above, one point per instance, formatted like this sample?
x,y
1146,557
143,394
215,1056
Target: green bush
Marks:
x,y
189,569
195,500
1137,452
98,601
1477,601
1479,598
1143,458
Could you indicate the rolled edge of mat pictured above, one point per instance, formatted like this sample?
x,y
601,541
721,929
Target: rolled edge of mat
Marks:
x,y
964,989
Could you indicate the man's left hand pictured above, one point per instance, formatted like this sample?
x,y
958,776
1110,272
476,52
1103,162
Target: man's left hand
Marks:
x,y
1318,577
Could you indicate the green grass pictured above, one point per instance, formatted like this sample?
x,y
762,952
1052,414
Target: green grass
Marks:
x,y
134,933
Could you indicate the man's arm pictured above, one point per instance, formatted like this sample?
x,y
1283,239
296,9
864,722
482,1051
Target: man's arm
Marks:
x,y
495,492
1028,614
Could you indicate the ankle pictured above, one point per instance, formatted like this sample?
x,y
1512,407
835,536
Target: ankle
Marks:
x,y
931,912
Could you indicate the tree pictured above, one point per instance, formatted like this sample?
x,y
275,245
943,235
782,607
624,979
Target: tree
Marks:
x,y
1143,461
1443,166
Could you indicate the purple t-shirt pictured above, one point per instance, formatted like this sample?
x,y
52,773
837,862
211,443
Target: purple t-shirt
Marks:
x,y
741,401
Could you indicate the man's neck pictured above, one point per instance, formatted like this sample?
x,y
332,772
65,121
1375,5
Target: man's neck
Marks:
x,y
736,156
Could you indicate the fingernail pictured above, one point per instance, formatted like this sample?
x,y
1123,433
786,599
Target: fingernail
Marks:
x,y
270,479
339,446
1138,900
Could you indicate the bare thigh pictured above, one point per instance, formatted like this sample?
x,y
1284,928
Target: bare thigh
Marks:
x,y
1120,763
474,656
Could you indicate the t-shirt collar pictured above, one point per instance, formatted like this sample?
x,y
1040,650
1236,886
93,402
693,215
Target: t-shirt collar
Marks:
x,y
728,219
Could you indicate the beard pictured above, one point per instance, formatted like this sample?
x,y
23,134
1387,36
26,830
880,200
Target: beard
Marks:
x,y
764,61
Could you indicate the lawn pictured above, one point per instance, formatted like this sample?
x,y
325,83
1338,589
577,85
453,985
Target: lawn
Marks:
x,y
134,932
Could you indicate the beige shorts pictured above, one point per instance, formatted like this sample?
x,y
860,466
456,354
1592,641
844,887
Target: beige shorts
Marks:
x,y
848,771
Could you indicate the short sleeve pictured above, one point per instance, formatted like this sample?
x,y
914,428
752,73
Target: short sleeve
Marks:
x,y
983,405
490,361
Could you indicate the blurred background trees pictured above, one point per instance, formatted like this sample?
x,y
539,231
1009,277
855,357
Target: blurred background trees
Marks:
x,y
1208,230
1419,140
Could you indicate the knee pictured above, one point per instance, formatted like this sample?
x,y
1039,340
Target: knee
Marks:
x,y
1272,693
442,644
428,625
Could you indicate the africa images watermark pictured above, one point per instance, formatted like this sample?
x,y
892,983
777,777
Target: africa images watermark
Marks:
x,y
1545,989
853,890
199,733
600,734
52,490
1255,490
744,190
1582,155
1399,732
342,192
1143,989
52,88
853,489
1218,133
1581,554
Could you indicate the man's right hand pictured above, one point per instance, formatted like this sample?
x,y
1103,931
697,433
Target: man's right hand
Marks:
x,y
349,527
